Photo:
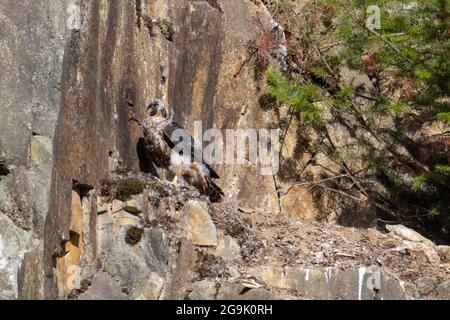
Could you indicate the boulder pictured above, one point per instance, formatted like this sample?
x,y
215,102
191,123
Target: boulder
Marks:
x,y
150,289
237,291
272,276
133,265
312,283
444,291
429,251
408,234
103,287
349,284
391,289
203,290
425,285
127,266
200,228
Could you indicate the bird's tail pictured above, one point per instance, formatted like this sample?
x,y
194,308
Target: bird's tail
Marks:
x,y
214,192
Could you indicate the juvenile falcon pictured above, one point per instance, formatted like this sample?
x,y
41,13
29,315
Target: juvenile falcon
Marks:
x,y
168,151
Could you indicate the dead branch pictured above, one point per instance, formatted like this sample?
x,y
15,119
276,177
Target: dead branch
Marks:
x,y
247,60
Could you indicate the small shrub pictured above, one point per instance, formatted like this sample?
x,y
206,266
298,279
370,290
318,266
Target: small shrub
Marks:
x,y
134,235
299,97
128,187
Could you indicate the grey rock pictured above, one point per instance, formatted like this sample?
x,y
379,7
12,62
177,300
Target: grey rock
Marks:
x,y
16,201
38,181
425,285
150,289
25,193
391,289
272,276
408,234
332,283
182,271
127,266
444,291
203,290
155,250
14,242
103,287
199,226
31,274
117,206
233,272
88,261
133,265
228,248
428,250
32,66
236,291
105,227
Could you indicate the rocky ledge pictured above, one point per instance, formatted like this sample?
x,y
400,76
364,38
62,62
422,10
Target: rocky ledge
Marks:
x,y
154,240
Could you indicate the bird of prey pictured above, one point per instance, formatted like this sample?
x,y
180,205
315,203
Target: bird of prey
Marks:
x,y
162,146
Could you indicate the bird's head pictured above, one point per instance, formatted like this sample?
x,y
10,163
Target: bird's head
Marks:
x,y
157,109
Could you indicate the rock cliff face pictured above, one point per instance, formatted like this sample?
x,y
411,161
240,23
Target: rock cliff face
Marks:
x,y
71,104
168,242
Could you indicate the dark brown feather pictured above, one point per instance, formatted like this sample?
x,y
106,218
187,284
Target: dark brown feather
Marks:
x,y
168,134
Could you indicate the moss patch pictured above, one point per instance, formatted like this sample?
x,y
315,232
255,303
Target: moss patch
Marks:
x,y
128,187
134,235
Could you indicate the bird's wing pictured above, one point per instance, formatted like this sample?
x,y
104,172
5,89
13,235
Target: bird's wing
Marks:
x,y
188,143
